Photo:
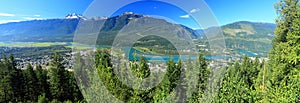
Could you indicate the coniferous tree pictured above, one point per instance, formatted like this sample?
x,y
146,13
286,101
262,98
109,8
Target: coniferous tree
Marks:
x,y
17,80
5,85
239,81
190,73
43,85
171,74
203,75
143,69
31,84
57,78
285,56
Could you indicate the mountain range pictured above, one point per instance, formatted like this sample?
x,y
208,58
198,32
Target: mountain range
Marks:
x,y
252,36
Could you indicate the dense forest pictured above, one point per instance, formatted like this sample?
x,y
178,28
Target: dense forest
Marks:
x,y
37,85
249,80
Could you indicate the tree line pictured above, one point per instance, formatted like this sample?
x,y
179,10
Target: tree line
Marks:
x,y
174,84
41,85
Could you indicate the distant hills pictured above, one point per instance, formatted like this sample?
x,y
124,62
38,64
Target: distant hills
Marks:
x,y
245,29
52,30
245,36
252,36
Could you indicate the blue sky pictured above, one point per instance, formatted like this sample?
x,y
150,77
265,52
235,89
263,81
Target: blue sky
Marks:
x,y
226,11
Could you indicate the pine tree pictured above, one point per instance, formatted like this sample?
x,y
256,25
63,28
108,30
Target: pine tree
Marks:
x,y
31,84
143,69
203,75
57,78
5,86
241,82
171,74
285,55
16,79
188,82
42,85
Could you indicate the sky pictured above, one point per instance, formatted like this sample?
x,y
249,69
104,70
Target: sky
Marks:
x,y
225,11
228,11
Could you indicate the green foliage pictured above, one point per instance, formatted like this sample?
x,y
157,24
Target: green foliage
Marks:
x,y
140,69
284,57
5,85
42,99
31,85
202,79
55,101
57,75
42,83
62,82
164,92
238,83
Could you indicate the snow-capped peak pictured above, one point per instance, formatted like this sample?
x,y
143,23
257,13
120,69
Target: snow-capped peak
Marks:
x,y
75,16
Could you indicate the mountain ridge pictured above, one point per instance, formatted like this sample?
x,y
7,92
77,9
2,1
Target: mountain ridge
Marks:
x,y
252,36
4,28
40,30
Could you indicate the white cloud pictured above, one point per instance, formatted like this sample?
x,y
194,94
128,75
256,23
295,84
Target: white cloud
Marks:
x,y
37,15
7,14
185,16
8,21
30,18
190,13
195,10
